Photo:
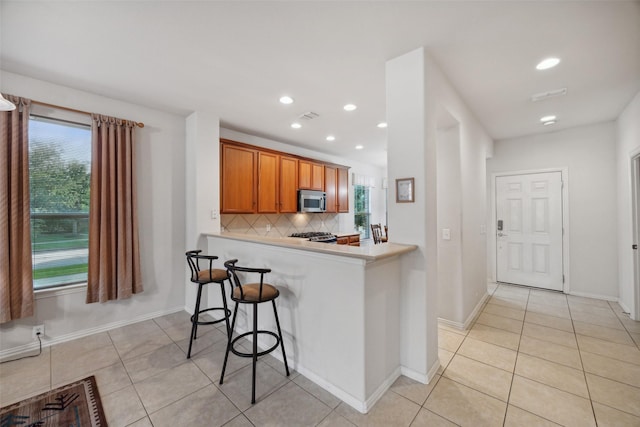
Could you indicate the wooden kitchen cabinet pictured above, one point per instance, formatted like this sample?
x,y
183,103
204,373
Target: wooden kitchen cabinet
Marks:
x,y
331,188
310,175
238,179
349,239
268,177
257,180
342,189
288,193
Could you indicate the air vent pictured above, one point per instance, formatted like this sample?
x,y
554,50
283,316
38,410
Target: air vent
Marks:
x,y
309,115
549,94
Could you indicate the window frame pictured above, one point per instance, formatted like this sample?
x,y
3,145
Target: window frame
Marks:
x,y
59,116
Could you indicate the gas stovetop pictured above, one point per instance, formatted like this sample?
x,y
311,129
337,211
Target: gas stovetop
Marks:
x,y
316,236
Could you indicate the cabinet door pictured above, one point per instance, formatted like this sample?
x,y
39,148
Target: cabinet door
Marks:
x,y
304,174
343,190
310,175
267,182
237,181
330,187
317,176
288,185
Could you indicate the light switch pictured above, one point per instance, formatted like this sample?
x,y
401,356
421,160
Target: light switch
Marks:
x,y
214,214
446,234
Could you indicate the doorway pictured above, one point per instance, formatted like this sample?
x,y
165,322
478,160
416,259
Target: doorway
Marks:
x,y
529,229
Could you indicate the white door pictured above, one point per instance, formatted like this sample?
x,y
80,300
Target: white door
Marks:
x,y
529,229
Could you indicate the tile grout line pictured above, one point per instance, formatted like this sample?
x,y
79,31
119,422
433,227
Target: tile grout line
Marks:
x,y
513,375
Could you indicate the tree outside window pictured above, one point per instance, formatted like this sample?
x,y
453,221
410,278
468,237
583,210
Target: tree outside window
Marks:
x,y
59,182
362,210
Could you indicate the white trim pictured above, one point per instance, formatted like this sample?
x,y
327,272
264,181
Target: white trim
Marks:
x,y
415,375
464,326
381,390
75,288
594,296
624,307
84,333
634,157
491,253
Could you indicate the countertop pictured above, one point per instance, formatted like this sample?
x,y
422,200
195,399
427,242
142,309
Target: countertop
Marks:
x,y
367,252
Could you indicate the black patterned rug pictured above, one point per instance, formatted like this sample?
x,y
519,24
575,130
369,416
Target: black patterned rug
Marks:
x,y
73,405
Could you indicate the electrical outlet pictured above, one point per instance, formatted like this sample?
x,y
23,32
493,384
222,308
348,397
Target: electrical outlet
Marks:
x,y
268,227
37,330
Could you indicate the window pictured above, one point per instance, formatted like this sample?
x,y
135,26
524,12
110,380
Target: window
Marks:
x,y
362,211
59,181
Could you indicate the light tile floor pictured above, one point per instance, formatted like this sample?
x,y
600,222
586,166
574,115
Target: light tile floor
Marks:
x,y
532,358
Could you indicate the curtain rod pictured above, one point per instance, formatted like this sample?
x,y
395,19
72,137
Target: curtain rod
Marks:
x,y
73,110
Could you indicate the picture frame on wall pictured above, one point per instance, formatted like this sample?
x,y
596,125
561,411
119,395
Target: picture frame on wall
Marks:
x,y
405,191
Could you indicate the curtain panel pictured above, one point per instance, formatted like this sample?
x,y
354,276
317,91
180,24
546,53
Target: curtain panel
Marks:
x,y
114,259
16,274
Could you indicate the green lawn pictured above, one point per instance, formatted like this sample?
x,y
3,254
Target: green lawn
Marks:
x,y
43,273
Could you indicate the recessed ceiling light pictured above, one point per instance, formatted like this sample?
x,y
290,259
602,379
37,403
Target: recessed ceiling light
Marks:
x,y
550,122
331,138
296,125
359,147
286,99
547,63
382,125
349,107
547,118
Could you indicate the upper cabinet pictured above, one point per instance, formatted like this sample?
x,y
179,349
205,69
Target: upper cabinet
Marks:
x,y
343,190
268,177
331,187
310,175
288,189
257,180
238,179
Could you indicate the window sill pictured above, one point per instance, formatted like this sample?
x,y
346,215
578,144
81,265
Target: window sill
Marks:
x,y
76,288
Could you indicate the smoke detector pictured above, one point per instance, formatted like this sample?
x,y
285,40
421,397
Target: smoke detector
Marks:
x,y
548,94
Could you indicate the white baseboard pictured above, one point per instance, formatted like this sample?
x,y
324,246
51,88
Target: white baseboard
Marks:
x,y
594,296
470,319
48,342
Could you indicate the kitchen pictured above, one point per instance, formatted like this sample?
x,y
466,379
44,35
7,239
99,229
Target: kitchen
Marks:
x,y
179,150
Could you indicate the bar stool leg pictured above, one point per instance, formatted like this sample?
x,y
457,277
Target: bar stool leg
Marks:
x,y
226,355
284,355
194,321
226,309
255,352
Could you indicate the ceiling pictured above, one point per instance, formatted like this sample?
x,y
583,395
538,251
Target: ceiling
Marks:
x,y
237,58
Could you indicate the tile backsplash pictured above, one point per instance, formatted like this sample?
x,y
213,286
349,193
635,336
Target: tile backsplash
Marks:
x,y
281,225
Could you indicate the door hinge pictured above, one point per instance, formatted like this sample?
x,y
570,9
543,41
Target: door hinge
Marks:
x,y
634,247
563,278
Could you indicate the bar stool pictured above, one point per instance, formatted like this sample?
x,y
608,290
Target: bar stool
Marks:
x,y
252,293
202,278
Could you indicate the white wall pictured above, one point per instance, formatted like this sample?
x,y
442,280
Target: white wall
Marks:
x,y
628,144
420,101
588,153
160,165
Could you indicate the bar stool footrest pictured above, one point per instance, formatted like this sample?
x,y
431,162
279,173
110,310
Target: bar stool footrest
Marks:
x,y
212,322
262,353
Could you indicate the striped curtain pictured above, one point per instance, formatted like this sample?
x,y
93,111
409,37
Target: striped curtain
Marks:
x,y
16,275
114,259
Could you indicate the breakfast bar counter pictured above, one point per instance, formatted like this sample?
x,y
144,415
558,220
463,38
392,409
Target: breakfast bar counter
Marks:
x,y
339,309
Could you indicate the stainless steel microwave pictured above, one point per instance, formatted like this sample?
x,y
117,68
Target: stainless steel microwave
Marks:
x,y
312,201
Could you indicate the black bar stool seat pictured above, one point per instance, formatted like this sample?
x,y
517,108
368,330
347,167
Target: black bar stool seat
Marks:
x,y
203,277
254,294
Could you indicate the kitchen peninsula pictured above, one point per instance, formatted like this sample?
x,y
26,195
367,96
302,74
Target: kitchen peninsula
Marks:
x,y
339,309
